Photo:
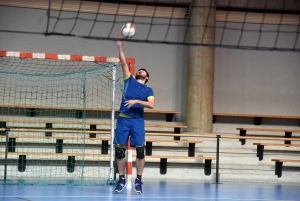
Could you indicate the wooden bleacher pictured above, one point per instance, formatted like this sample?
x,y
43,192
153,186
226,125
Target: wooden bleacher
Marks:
x,y
163,160
12,139
37,154
260,148
287,132
279,164
95,134
257,117
50,122
97,157
191,145
32,110
70,158
102,136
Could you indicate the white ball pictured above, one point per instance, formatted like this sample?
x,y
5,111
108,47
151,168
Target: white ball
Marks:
x,y
128,30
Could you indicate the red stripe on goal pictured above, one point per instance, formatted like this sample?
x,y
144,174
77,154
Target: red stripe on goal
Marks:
x,y
25,55
100,59
75,57
51,56
2,53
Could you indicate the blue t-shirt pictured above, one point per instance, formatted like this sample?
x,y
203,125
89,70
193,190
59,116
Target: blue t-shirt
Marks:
x,y
133,90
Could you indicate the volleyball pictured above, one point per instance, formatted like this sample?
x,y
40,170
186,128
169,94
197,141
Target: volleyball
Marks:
x,y
128,30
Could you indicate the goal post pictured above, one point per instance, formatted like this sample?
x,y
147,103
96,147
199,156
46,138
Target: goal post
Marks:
x,y
58,117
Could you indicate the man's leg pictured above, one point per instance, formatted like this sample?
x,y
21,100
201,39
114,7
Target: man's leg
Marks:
x,y
121,140
121,162
140,160
138,139
140,164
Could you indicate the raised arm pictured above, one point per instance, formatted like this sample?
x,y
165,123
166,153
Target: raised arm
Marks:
x,y
148,104
122,57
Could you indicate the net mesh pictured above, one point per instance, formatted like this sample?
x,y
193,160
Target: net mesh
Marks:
x,y
264,25
58,131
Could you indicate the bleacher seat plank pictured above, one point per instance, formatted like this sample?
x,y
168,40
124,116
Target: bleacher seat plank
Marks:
x,y
177,126
54,137
54,130
175,135
54,154
175,141
279,164
81,108
104,155
270,129
98,139
243,138
282,145
171,134
286,160
169,113
93,132
164,161
99,132
87,131
87,123
208,135
182,157
258,138
191,147
257,117
74,138
260,148
287,132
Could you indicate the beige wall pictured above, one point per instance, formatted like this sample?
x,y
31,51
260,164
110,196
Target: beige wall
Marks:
x,y
245,81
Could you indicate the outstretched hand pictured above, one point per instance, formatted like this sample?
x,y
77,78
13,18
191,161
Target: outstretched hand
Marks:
x,y
118,42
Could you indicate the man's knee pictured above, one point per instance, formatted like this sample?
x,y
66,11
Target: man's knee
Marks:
x,y
140,153
120,152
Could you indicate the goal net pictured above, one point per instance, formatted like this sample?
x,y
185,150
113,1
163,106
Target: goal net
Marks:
x,y
57,118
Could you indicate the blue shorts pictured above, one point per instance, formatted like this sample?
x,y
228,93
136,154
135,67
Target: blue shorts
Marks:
x,y
130,127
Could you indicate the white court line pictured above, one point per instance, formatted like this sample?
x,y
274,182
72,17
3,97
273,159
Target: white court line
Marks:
x,y
147,197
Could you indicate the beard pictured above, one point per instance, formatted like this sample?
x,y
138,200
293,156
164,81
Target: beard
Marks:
x,y
140,77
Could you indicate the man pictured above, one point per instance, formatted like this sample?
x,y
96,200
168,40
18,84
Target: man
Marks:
x,y
130,123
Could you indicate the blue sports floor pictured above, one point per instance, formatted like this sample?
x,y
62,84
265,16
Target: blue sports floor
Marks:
x,y
155,190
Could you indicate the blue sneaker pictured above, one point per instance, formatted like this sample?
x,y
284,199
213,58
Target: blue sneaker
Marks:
x,y
138,186
120,186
